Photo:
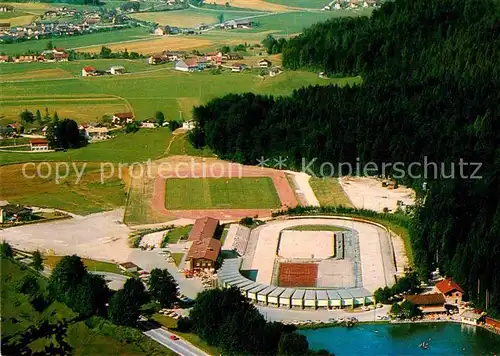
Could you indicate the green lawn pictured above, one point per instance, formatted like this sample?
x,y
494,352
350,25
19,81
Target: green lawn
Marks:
x,y
92,265
316,228
176,234
68,42
124,148
177,256
288,23
310,4
94,336
83,196
181,146
220,193
329,192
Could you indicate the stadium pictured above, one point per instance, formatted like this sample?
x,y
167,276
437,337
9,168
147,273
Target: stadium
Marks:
x,y
313,262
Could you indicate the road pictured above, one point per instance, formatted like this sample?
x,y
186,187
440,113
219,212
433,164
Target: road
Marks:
x,y
179,346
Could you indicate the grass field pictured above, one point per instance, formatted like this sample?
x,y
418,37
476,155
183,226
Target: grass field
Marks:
x,y
92,265
77,41
177,256
124,148
88,196
221,193
178,233
94,336
310,4
254,5
161,90
189,17
329,192
316,228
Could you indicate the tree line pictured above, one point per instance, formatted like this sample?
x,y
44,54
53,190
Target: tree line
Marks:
x,y
429,94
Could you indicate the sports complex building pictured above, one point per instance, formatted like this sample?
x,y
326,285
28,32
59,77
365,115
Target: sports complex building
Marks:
x,y
310,263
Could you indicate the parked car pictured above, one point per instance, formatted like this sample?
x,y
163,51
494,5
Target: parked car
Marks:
x,y
173,337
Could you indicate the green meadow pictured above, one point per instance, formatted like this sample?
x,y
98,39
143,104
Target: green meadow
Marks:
x,y
70,42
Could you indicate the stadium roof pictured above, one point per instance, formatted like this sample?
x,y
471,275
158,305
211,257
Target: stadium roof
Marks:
x,y
277,292
299,294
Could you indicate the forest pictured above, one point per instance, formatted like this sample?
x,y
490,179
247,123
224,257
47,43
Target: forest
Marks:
x,y
430,93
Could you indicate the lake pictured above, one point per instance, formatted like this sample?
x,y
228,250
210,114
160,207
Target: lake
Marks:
x,y
404,339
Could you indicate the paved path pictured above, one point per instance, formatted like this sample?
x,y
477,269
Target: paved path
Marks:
x,y
179,346
276,314
304,189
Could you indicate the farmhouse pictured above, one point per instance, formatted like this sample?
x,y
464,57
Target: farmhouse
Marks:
x,y
149,124
128,267
157,59
188,125
96,133
14,213
159,31
121,118
215,57
187,65
6,8
238,67
232,56
264,63
233,24
204,250
39,144
4,59
428,303
174,55
117,70
451,291
88,71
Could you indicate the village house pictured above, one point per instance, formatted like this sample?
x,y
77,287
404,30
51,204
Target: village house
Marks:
x,y
93,133
234,24
4,26
428,303
128,267
188,125
114,70
472,317
4,59
159,31
88,71
174,55
238,67
39,144
187,65
451,291
6,8
122,118
149,124
157,59
205,249
201,27
14,213
264,63
232,56
215,58
274,71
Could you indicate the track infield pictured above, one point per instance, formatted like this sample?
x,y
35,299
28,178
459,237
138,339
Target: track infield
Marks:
x,y
221,193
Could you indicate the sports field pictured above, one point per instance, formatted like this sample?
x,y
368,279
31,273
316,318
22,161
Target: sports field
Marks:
x,y
221,193
297,274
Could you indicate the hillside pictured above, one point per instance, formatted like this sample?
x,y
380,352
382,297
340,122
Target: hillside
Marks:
x,y
428,95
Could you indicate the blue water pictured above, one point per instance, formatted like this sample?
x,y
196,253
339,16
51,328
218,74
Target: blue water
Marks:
x,y
403,339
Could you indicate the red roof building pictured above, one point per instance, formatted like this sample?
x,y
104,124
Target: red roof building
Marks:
x,y
204,250
451,291
39,144
428,303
